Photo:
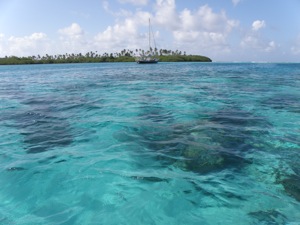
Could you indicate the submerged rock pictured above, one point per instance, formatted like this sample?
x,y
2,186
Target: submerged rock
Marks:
x,y
41,125
150,179
215,142
15,168
268,217
208,157
222,139
42,132
286,102
236,129
291,185
202,160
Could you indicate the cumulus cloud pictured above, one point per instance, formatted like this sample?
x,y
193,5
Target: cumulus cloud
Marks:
x,y
24,46
73,39
135,2
204,19
125,30
204,29
74,31
120,13
188,29
114,37
256,43
258,24
194,29
271,46
200,30
191,30
166,14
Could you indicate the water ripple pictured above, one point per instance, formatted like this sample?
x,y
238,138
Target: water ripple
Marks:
x,y
171,143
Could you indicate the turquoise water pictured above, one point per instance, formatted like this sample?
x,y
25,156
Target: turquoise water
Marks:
x,y
172,143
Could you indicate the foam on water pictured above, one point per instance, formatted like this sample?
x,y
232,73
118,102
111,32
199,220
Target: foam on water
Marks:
x,y
172,143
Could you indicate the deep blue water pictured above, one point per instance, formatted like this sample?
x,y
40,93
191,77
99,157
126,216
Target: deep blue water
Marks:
x,y
172,143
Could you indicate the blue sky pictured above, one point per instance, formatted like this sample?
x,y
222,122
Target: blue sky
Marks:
x,y
224,30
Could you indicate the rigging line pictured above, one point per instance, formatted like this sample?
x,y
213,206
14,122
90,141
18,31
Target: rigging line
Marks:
x,y
151,30
153,38
149,35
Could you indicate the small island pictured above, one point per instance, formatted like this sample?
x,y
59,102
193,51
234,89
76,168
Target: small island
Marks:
x,y
93,57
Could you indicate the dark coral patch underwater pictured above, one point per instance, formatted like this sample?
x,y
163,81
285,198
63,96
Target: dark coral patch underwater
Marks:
x,y
42,127
286,102
269,217
291,185
217,141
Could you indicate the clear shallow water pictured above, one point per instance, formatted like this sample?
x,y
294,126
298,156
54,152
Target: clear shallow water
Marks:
x,y
172,143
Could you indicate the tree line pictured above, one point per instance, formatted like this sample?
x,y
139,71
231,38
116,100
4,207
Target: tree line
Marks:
x,y
125,55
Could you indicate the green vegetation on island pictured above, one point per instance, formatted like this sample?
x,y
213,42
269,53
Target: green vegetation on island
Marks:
x,y
93,57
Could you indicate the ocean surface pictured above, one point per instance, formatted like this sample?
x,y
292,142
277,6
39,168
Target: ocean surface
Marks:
x,y
171,143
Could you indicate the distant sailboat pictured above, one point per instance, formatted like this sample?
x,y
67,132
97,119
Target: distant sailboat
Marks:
x,y
149,56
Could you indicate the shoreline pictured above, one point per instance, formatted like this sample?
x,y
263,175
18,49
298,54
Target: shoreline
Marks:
x,y
14,60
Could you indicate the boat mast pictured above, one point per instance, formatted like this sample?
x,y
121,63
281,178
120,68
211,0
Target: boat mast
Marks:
x,y
149,36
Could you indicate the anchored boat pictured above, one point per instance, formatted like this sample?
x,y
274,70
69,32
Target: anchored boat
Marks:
x,y
150,56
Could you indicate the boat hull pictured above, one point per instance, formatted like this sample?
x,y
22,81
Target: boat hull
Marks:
x,y
146,61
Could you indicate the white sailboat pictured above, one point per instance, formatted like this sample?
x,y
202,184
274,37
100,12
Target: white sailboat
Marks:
x,y
150,56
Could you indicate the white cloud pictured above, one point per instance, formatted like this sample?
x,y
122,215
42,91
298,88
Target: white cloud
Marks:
x,y
201,40
197,31
258,24
125,30
72,39
135,2
2,44
74,31
24,46
203,29
166,14
271,46
105,5
200,30
254,42
250,42
236,2
120,13
192,30
295,49
122,35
